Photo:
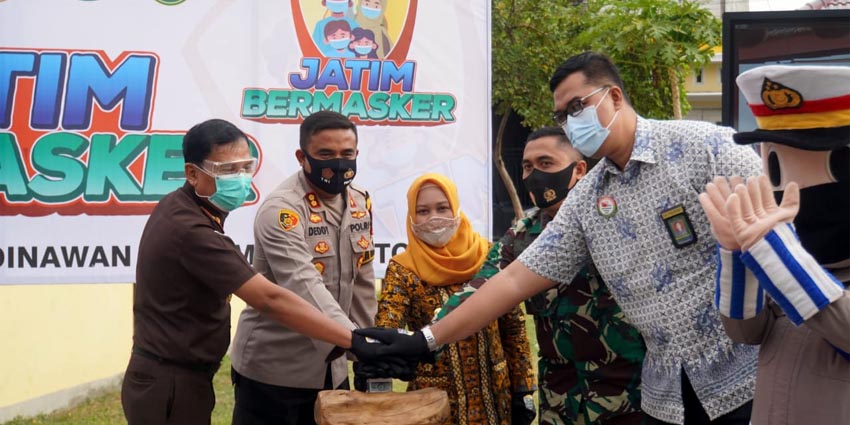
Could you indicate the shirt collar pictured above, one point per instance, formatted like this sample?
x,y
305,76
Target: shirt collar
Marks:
x,y
642,151
210,211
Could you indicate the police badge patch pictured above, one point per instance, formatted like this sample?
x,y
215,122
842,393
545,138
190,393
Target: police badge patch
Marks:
x,y
288,219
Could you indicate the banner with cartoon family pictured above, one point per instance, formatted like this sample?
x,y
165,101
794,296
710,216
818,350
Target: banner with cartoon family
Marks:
x,y
95,97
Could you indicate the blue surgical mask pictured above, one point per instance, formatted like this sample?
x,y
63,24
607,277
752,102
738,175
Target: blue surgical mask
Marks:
x,y
370,12
339,44
231,190
337,6
363,50
585,132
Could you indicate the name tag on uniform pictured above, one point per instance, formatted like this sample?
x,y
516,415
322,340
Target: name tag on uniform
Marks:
x,y
679,226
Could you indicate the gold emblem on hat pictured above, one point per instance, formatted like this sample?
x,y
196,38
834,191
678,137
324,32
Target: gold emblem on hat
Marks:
x,y
777,96
549,195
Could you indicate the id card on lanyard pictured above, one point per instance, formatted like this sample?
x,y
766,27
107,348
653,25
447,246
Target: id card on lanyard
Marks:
x,y
679,226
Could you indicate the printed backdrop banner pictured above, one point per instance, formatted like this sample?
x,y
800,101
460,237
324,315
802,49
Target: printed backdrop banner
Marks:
x,y
95,97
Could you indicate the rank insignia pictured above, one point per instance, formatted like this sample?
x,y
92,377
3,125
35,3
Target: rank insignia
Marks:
x,y
363,242
313,200
320,266
358,214
322,247
315,218
288,219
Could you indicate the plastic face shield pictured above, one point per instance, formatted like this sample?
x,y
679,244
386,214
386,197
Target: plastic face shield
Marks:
x,y
244,166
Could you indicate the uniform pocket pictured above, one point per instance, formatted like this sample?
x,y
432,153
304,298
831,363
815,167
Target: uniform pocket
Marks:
x,y
141,378
825,360
362,248
361,242
321,246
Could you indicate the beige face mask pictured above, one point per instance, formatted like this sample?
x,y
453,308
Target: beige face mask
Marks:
x,y
437,231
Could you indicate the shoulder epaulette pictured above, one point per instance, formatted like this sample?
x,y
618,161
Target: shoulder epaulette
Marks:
x,y
313,200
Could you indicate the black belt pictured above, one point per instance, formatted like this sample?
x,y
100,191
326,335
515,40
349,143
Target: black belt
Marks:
x,y
195,367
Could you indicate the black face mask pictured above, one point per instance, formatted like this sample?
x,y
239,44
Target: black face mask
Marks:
x,y
549,188
823,223
331,175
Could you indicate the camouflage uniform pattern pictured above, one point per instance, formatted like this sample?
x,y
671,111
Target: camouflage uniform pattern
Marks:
x,y
590,355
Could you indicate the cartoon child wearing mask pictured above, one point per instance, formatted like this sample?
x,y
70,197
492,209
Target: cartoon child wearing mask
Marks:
x,y
338,10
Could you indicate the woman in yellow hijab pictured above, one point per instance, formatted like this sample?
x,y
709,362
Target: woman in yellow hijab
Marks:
x,y
481,373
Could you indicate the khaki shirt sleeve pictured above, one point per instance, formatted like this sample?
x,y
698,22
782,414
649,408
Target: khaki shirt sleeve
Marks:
x,y
750,331
291,262
364,304
833,323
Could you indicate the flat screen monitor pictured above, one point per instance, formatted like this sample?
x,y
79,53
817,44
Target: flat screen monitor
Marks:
x,y
796,37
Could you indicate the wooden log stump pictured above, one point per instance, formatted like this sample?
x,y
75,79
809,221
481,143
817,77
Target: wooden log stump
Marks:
x,y
429,406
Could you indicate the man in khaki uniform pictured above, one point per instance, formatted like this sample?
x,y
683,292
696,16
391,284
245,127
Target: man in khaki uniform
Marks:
x,y
313,235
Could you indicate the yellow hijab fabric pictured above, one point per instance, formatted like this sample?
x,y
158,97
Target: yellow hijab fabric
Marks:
x,y
454,263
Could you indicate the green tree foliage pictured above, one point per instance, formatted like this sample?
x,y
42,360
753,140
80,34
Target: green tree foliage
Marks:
x,y
654,43
530,38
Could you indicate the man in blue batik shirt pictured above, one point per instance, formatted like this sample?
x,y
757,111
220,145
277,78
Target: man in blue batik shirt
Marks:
x,y
637,217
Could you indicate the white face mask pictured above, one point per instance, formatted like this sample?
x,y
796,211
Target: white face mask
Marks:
x,y
437,231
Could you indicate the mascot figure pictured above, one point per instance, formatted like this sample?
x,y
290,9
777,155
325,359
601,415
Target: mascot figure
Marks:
x,y
784,244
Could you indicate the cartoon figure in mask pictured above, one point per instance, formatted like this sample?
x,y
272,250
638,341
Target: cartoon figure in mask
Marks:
x,y
338,10
784,269
371,15
480,374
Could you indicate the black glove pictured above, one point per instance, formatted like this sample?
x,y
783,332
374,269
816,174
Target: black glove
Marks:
x,y
396,343
364,351
522,409
359,377
388,367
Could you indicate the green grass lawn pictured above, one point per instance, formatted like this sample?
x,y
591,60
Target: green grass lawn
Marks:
x,y
106,409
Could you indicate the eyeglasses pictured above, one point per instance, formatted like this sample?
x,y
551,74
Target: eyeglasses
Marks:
x,y
573,108
247,166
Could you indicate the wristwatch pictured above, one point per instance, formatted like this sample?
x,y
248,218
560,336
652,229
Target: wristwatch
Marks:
x,y
528,400
429,338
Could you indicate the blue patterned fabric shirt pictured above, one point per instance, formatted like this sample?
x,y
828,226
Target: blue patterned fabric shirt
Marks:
x,y
614,219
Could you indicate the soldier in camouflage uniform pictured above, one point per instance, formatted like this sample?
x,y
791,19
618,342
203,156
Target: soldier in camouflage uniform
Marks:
x,y
590,355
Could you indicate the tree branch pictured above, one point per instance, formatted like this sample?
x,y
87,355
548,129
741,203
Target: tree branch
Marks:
x,y
500,165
